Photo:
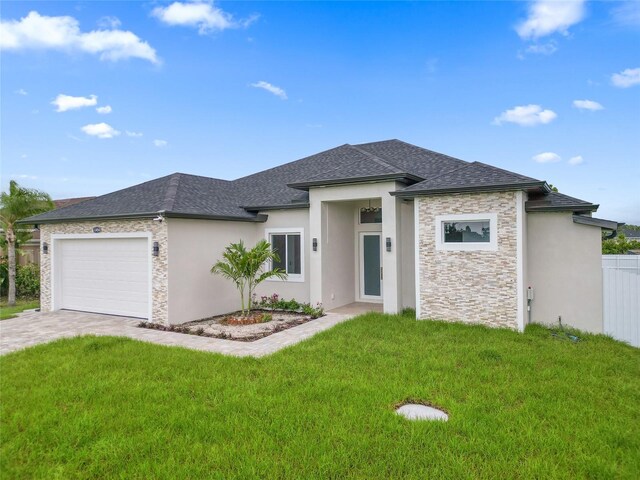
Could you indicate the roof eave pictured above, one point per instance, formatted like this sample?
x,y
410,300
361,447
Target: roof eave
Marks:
x,y
597,222
198,216
562,208
260,208
472,189
402,177
134,216
36,221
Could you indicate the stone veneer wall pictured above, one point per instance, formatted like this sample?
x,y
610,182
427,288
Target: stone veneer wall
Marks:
x,y
159,266
469,286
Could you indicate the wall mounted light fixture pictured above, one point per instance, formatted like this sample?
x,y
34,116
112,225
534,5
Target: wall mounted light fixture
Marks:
x,y
314,243
388,244
45,247
156,249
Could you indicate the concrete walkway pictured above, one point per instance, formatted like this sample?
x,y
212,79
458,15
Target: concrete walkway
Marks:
x,y
33,328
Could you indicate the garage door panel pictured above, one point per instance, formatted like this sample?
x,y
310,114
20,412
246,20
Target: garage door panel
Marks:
x,y
106,275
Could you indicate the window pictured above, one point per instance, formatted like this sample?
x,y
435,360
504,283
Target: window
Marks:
x,y
466,232
288,244
371,215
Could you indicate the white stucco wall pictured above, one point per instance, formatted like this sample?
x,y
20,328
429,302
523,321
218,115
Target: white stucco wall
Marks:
x,y
564,267
194,246
338,245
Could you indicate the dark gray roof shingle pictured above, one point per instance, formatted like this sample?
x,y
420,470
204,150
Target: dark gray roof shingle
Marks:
x,y
558,201
176,194
283,186
471,176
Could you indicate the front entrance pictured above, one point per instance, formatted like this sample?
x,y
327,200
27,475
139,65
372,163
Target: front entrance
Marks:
x,y
370,266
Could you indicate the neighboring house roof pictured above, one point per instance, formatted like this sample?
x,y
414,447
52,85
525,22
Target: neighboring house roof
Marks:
x,y
630,233
66,202
286,186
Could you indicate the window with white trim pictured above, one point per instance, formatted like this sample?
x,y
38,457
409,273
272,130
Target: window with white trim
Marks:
x,y
474,231
289,245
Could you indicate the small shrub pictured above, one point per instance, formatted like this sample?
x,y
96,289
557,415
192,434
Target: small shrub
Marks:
x,y
266,317
274,302
313,312
28,280
409,312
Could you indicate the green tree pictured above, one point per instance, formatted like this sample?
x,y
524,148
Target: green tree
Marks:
x,y
619,245
246,268
16,204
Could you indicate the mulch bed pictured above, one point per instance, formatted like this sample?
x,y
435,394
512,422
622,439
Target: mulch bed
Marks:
x,y
234,326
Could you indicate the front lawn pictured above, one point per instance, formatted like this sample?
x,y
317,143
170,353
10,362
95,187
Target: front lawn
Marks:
x,y
520,406
20,306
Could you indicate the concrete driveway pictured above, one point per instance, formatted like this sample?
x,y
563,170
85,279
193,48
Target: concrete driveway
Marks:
x,y
34,328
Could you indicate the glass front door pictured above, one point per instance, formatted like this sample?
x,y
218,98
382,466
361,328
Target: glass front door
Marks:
x,y
370,266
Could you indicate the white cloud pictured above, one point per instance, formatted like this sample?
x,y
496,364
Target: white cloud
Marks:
x,y
104,110
133,134
546,157
202,15
587,105
626,78
22,91
160,143
100,130
550,16
40,32
23,176
543,48
627,13
109,22
277,91
577,160
525,116
67,102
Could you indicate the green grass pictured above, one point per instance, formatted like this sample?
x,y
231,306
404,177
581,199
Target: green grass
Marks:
x,y
21,305
521,406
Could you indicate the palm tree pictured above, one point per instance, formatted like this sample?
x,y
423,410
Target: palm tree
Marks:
x,y
246,268
15,205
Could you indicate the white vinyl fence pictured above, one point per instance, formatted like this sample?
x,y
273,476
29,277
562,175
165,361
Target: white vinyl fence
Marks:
x,y
621,297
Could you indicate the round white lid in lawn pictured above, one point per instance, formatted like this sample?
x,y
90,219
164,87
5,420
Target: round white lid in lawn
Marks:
x,y
414,411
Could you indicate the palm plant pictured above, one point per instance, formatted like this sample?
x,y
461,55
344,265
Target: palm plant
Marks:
x,y
15,205
246,268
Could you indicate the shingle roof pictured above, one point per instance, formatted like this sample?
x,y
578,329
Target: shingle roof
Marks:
x,y
474,176
559,202
284,186
178,194
392,158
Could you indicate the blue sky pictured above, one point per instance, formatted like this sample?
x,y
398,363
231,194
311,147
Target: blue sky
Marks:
x,y
231,88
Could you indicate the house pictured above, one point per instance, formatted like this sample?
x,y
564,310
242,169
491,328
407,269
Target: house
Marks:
x,y
630,233
384,222
30,250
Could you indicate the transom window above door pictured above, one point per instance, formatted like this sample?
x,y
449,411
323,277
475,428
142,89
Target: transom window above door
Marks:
x,y
289,245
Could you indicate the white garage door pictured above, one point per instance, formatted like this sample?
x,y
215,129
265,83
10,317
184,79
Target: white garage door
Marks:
x,y
103,275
